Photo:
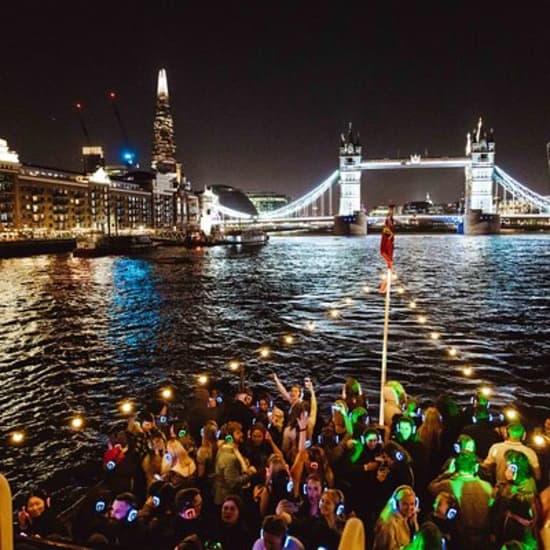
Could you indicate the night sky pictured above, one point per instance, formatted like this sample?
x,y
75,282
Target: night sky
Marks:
x,y
260,91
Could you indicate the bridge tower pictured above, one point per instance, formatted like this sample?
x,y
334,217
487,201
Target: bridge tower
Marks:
x,y
479,212
351,220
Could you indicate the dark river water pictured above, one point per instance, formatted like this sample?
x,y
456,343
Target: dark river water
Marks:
x,y
79,335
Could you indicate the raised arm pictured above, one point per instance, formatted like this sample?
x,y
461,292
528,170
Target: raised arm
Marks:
x,y
281,388
312,407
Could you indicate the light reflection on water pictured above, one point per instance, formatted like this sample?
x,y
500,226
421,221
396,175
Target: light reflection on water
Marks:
x,y
78,335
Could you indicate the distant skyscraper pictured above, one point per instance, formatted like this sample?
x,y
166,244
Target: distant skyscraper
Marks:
x,y
164,146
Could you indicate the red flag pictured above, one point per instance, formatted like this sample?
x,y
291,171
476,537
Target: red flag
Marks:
x,y
386,245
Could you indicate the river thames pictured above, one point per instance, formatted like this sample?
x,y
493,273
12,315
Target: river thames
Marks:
x,y
79,335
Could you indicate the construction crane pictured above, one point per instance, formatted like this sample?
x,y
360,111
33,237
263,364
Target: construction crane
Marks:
x,y
128,155
79,111
92,155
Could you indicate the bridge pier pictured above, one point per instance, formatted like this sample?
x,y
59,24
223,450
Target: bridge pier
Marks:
x,y
352,225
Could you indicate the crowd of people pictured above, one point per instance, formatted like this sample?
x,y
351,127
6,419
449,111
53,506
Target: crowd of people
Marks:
x,y
270,472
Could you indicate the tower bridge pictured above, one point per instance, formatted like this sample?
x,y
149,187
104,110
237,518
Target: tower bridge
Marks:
x,y
483,180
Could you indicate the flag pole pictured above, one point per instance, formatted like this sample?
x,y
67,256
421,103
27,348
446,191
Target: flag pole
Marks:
x,y
385,345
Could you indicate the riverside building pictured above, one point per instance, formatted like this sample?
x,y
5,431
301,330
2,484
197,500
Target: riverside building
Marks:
x,y
37,201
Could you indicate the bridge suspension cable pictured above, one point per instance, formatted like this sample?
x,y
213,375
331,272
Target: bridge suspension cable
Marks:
x,y
302,202
515,187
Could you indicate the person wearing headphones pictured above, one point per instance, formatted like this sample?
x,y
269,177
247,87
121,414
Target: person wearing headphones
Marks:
x,y
232,470
495,458
394,470
122,527
397,523
444,514
37,518
474,497
482,430
188,518
515,508
325,531
274,536
406,436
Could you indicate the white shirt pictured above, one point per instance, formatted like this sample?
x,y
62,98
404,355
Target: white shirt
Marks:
x,y
496,456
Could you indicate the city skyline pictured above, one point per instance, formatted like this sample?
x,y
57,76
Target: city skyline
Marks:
x,y
259,95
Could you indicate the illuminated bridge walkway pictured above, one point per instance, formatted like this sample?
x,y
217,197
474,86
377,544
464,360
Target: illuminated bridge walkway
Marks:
x,y
317,207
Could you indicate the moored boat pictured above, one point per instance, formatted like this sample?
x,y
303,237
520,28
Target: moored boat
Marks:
x,y
107,245
245,237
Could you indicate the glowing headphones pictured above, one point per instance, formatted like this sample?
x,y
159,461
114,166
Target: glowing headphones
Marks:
x,y
397,496
268,401
396,452
357,386
514,469
304,486
131,514
406,420
368,433
490,417
229,438
163,419
340,508
100,505
464,443
451,513
182,433
287,538
188,510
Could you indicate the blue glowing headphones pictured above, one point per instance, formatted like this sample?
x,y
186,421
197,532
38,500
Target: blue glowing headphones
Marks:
x,y
514,469
451,513
100,505
396,497
132,515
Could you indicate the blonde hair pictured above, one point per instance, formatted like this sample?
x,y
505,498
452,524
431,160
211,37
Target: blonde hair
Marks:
x,y
178,454
353,535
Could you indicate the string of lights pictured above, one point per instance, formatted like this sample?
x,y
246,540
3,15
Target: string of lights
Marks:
x,y
334,313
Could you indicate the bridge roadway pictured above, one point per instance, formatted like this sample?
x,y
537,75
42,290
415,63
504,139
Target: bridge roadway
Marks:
x,y
407,219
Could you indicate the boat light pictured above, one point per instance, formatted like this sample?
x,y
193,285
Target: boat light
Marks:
x,y
17,437
126,407
167,393
77,422
234,365
264,352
